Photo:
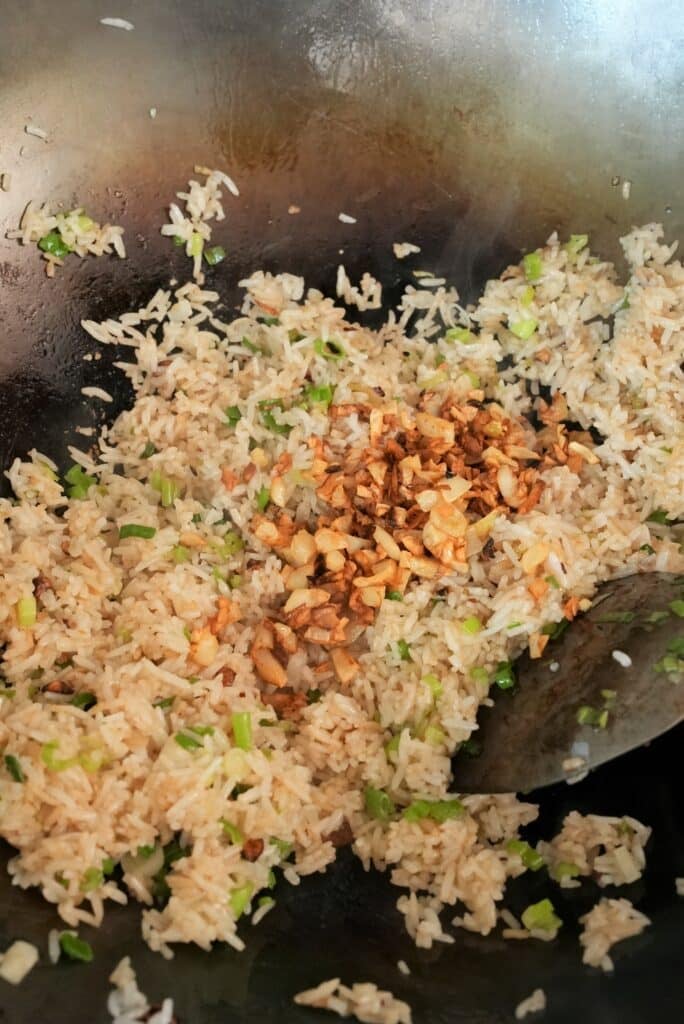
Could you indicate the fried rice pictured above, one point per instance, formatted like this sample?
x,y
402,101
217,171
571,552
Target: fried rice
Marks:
x,y
260,615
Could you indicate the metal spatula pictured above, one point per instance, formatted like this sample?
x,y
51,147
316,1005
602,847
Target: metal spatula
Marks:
x,y
612,681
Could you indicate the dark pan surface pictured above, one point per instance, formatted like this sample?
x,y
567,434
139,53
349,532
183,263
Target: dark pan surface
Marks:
x,y
471,128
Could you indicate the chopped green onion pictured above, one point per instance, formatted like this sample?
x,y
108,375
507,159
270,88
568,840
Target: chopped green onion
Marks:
x,y
655,618
283,847
187,742
471,625
438,810
196,244
136,530
378,804
263,499
234,580
313,696
240,897
53,763
54,244
439,359
241,722
178,241
553,582
672,664
146,851
527,296
202,730
659,515
617,617
271,882
270,321
394,595
214,255
504,675
392,746
233,832
541,917
233,415
148,451
75,948
91,761
79,482
169,492
647,549
480,675
434,736
575,244
251,347
14,768
164,703
676,646
587,715
269,420
321,394
27,612
434,685
265,901
84,700
564,869
404,650
533,266
108,865
555,629
528,855
678,608
231,544
523,329
92,879
180,554
328,349
461,334
187,634
85,223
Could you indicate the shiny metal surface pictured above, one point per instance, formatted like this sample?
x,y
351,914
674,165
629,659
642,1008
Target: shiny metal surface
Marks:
x,y
472,127
529,732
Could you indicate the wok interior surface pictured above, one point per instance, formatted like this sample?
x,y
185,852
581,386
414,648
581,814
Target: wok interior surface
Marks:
x,y
473,129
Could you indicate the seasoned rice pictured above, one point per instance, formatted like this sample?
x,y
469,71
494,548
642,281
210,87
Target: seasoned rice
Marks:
x,y
363,1000
610,921
271,533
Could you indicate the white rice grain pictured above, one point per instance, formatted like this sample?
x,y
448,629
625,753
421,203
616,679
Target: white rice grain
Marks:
x,y
122,23
535,1003
95,392
622,659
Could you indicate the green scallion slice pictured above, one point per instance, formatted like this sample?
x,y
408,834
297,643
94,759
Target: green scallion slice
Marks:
x,y
533,266
148,451
504,675
378,804
14,768
214,255
240,897
394,595
233,415
283,847
75,948
541,917
471,625
241,722
461,334
328,349
437,810
529,856
434,685
187,742
92,879
136,530
523,329
84,700
27,612
263,499
54,244
233,832
404,650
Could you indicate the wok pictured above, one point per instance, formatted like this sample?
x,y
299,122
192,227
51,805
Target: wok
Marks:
x,y
471,128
